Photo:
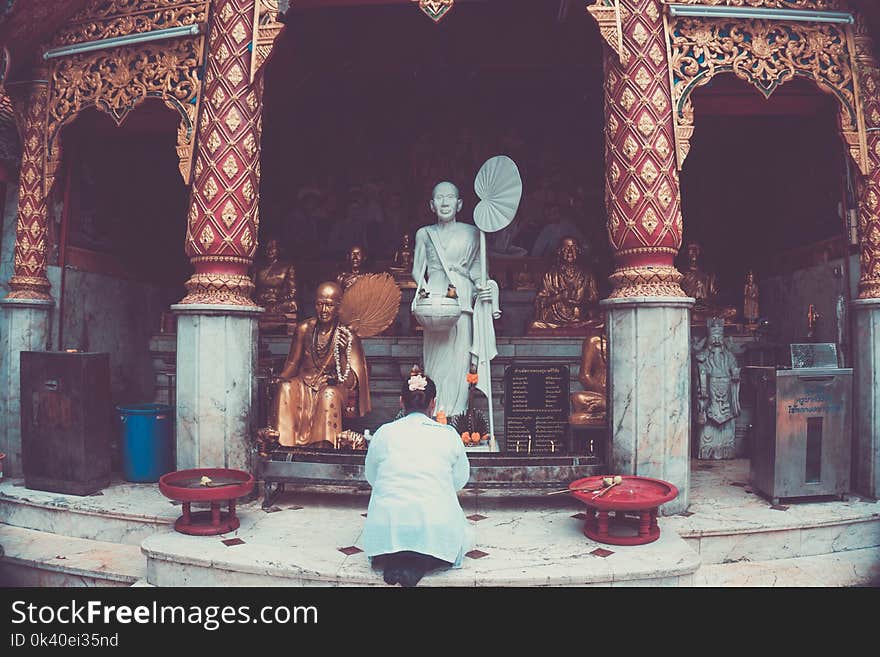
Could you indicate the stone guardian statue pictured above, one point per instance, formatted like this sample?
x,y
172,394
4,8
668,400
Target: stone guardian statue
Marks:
x,y
716,386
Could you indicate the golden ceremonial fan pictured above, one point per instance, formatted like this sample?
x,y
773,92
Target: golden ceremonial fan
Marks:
x,y
370,305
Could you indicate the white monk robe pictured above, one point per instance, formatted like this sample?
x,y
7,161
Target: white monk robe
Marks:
x,y
447,354
416,466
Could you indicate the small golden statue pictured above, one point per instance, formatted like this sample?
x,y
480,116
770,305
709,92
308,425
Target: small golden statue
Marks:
x,y
276,289
355,259
588,406
402,264
566,301
750,300
703,287
325,377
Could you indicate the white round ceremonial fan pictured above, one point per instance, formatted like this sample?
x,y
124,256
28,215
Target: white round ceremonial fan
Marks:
x,y
499,188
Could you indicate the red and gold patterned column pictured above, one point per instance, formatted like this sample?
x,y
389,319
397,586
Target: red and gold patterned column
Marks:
x,y
29,278
642,194
222,225
868,73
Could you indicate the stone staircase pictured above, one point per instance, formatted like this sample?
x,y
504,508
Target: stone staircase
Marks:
x,y
728,537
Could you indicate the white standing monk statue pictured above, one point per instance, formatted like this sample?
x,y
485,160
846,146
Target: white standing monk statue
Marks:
x,y
448,253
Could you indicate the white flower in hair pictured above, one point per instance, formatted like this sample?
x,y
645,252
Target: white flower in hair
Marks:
x,y
417,382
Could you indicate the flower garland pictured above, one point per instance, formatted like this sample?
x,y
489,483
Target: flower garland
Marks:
x,y
343,333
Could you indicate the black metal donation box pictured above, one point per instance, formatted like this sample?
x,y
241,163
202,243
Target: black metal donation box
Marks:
x,y
66,415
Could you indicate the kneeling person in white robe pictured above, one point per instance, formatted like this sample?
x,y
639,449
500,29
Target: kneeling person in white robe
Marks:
x,y
415,466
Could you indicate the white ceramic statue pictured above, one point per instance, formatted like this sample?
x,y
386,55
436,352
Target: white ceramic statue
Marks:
x,y
453,247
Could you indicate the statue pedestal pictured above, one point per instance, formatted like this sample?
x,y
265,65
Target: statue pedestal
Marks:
x,y
278,323
24,327
866,374
216,365
649,384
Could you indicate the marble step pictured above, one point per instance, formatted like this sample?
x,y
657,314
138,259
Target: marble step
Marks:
x,y
312,539
794,542
839,569
123,513
34,558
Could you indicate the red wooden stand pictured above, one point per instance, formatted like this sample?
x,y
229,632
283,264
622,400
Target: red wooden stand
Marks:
x,y
226,486
634,496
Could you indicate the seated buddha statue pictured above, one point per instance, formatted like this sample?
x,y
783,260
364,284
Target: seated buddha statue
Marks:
x,y
355,259
402,264
703,287
276,289
588,406
567,296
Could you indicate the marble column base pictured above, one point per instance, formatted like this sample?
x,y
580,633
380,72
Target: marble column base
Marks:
x,y
217,349
649,390
24,326
866,393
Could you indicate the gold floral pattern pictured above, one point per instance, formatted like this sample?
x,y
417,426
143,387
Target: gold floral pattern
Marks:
x,y
765,54
116,80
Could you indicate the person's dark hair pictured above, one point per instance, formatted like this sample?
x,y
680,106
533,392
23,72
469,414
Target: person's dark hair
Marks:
x,y
417,391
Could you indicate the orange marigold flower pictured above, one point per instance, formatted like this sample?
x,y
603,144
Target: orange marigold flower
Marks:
x,y
472,377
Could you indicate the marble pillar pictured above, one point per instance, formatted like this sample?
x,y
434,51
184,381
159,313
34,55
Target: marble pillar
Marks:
x,y
216,360
24,326
866,393
649,389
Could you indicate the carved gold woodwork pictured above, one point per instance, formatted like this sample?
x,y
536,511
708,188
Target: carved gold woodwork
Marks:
x,y
770,4
218,288
104,19
766,54
30,258
116,80
646,281
435,9
610,16
868,76
267,27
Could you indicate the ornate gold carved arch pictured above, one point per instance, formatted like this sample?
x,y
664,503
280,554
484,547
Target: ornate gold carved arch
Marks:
x,y
116,80
766,54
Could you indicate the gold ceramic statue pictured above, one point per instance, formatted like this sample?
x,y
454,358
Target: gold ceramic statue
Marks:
x,y
567,298
750,300
703,287
402,264
355,259
588,406
324,377
276,289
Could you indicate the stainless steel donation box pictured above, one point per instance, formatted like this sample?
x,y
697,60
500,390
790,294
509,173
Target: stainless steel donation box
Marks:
x,y
803,431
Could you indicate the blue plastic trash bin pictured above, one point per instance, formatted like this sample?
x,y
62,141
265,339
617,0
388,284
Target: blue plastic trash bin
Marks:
x,y
147,441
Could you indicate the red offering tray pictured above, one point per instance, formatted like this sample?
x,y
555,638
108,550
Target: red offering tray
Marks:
x,y
634,502
225,485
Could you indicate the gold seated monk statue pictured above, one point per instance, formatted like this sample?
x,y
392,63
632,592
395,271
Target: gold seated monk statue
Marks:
x,y
568,296
588,407
324,377
703,287
276,289
355,259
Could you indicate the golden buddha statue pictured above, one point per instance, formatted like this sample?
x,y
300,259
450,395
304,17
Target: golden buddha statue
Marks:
x,y
324,377
750,300
703,287
402,264
588,406
567,298
355,259
276,289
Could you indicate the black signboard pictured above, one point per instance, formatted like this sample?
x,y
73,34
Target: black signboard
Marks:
x,y
536,408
